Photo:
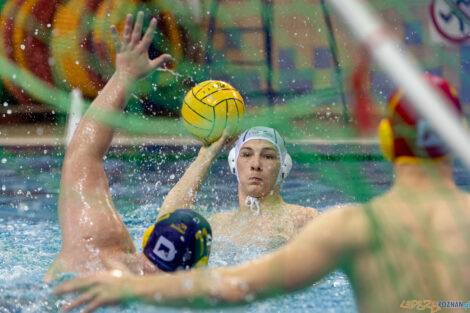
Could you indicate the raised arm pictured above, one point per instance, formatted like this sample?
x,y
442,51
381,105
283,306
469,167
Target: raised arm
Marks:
x,y
84,194
92,138
183,194
318,249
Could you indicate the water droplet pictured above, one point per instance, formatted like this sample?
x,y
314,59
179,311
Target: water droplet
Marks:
x,y
188,284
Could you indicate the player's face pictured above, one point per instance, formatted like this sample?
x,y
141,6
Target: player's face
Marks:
x,y
258,165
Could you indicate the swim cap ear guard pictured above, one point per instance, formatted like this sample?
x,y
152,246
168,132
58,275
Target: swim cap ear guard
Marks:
x,y
268,134
232,162
286,166
284,171
386,139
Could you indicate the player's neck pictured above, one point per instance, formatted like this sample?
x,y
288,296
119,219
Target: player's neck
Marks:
x,y
424,175
269,202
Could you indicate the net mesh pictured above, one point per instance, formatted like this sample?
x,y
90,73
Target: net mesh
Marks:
x,y
299,70
279,54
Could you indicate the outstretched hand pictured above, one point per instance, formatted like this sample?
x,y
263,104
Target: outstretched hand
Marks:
x,y
98,290
132,57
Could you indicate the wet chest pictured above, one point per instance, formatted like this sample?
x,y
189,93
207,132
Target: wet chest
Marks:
x,y
248,229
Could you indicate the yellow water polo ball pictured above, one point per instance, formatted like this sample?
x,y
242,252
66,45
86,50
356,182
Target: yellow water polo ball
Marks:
x,y
209,108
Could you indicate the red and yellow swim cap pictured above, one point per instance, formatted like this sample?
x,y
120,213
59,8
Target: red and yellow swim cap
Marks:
x,y
404,133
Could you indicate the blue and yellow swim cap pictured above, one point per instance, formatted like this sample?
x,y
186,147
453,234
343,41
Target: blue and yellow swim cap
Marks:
x,y
179,240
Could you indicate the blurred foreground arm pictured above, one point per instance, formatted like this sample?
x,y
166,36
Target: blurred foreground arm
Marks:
x,y
85,206
317,250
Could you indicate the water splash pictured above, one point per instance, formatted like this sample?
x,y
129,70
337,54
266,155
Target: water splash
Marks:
x,y
176,74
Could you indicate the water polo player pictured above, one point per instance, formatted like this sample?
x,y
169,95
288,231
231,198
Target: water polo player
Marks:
x,y
93,234
261,163
408,248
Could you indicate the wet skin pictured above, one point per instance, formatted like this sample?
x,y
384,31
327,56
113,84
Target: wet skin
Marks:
x,y
258,166
93,235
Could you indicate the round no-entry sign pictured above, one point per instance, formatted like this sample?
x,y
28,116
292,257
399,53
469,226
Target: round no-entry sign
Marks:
x,y
451,21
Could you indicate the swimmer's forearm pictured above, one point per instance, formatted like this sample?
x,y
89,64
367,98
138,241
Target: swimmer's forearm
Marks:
x,y
115,94
187,288
175,290
208,287
94,132
183,194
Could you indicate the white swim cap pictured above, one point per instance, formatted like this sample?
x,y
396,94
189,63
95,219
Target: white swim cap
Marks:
x,y
264,133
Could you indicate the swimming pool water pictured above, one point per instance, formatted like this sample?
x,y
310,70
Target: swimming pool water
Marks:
x,y
30,234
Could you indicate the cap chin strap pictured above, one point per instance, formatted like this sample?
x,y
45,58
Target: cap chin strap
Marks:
x,y
286,166
253,204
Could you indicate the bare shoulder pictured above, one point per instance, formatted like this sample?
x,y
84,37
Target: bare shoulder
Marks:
x,y
301,214
221,217
295,208
465,204
344,225
466,195
354,215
